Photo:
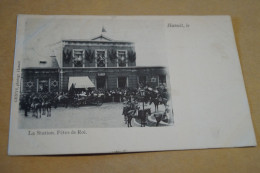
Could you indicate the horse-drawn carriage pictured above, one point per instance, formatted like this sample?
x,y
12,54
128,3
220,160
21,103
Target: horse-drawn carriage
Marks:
x,y
82,92
147,95
91,99
76,99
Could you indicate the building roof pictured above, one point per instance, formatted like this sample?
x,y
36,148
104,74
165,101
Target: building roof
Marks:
x,y
100,38
34,60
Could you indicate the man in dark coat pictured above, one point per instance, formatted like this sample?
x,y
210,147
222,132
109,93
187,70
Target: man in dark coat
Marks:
x,y
26,105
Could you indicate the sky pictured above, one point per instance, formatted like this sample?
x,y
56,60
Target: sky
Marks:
x,y
43,32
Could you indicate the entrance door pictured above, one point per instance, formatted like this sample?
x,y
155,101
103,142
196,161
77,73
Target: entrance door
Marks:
x,y
122,82
101,82
43,85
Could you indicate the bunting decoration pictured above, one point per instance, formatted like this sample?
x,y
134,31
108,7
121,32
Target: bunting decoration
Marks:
x,y
131,56
112,55
89,55
67,55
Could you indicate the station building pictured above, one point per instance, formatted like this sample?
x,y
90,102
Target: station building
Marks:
x,y
100,62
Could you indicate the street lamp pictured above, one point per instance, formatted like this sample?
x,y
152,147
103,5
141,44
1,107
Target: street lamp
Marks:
x,y
142,92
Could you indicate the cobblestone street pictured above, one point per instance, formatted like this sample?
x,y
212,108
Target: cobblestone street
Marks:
x,y
109,115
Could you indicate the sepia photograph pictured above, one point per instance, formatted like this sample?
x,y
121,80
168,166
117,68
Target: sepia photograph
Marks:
x,y
102,73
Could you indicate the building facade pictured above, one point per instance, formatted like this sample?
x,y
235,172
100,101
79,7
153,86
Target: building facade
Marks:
x,y
108,64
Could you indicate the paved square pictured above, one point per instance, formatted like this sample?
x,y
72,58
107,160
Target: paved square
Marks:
x,y
108,115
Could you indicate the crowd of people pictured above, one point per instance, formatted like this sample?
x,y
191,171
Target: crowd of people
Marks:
x,y
108,95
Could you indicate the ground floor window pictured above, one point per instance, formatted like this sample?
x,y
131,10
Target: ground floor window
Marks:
x,y
122,82
43,85
101,82
162,79
142,80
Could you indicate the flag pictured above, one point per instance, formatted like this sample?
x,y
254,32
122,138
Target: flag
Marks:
x,y
103,29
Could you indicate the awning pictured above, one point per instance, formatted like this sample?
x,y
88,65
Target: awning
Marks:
x,y
80,82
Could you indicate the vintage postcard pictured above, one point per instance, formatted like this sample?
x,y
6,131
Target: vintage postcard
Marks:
x,y
106,84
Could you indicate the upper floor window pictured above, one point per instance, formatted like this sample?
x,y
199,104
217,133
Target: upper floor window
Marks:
x,y
101,58
122,58
78,55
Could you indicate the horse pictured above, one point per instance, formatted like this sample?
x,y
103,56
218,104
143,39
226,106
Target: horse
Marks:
x,y
163,101
62,100
156,103
36,107
129,113
142,114
125,110
46,107
161,115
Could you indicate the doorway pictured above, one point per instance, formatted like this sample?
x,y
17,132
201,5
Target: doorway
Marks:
x,y
122,82
101,82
